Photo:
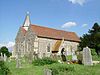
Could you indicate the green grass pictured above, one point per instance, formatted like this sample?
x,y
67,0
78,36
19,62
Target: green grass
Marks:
x,y
76,69
27,69
30,69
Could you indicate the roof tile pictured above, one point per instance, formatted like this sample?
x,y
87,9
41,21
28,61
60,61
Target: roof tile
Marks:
x,y
54,33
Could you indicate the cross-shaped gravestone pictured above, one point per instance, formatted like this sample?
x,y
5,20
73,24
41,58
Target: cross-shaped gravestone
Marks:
x,y
87,57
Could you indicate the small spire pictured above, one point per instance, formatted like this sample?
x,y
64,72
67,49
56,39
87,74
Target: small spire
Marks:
x,y
26,21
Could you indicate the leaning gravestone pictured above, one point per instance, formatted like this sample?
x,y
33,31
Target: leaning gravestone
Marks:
x,y
87,57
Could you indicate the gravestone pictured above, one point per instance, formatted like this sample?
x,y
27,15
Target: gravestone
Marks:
x,y
47,72
5,57
18,61
1,57
87,57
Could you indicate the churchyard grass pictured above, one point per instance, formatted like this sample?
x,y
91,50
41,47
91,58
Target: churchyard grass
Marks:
x,y
75,69
27,69
30,69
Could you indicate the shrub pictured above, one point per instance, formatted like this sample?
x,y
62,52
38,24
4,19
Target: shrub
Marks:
x,y
61,68
94,55
96,58
98,49
43,61
4,69
93,52
69,57
98,45
80,57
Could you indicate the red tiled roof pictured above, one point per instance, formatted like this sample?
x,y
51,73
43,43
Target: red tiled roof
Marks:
x,y
54,33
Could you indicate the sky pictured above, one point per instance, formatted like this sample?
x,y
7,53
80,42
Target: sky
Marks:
x,y
69,15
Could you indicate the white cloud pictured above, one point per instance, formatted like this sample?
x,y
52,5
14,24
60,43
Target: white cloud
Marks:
x,y
9,44
69,24
81,2
84,25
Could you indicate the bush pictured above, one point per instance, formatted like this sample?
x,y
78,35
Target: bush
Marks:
x,y
43,61
93,52
4,69
69,57
96,58
58,69
80,57
98,49
94,55
98,45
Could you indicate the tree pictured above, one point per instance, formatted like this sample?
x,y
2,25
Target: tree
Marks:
x,y
92,38
4,50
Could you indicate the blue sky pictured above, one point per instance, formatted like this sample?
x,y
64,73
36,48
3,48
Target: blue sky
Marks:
x,y
70,15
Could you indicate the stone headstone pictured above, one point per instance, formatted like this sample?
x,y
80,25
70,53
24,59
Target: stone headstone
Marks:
x,y
87,57
47,72
5,57
1,56
18,61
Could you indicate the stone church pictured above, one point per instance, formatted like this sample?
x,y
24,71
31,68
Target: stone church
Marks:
x,y
44,41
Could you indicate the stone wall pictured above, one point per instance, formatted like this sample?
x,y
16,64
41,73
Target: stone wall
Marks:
x,y
70,47
19,43
43,44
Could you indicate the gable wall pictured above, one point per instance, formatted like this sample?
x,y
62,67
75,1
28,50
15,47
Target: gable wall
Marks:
x,y
19,42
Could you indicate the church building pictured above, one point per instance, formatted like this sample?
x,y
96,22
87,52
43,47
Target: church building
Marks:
x,y
44,41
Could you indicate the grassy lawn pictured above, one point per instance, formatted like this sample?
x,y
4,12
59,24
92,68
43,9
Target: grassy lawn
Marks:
x,y
29,69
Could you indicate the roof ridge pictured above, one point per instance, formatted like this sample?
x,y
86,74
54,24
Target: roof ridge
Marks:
x,y
51,28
